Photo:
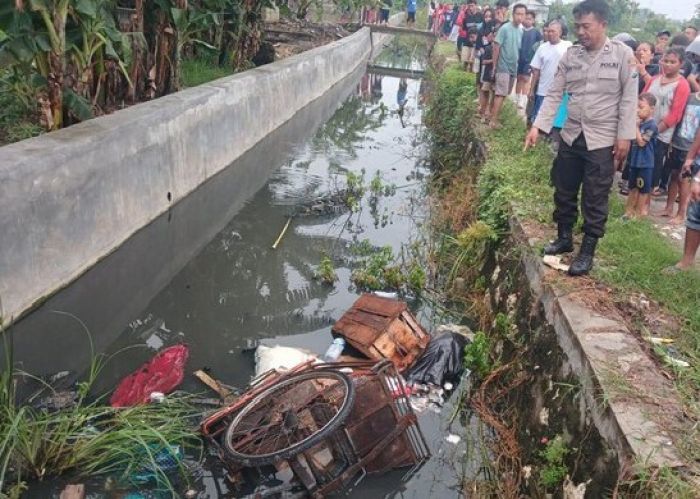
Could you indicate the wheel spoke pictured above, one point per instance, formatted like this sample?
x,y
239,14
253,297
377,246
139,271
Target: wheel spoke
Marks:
x,y
293,413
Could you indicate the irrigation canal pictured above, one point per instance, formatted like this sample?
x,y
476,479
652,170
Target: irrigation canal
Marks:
x,y
205,273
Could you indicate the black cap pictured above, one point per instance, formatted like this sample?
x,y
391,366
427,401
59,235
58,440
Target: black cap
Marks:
x,y
664,32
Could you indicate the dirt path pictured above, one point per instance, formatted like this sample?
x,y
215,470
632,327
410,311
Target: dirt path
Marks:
x,y
293,36
673,233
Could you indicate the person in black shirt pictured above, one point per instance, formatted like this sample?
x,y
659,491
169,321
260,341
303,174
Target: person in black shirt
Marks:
x,y
384,12
471,23
473,17
644,55
486,79
488,24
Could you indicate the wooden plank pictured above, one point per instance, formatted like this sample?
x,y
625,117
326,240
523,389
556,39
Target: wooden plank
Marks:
x,y
395,72
399,30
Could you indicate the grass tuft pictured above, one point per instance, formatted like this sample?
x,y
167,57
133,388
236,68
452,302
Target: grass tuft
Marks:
x,y
197,71
90,439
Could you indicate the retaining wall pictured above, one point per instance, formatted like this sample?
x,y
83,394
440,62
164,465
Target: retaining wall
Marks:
x,y
69,198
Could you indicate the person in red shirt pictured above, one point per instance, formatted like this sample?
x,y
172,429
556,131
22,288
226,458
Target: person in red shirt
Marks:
x,y
462,38
671,91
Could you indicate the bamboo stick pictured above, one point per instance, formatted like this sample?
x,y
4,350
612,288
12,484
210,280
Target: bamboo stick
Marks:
x,y
284,230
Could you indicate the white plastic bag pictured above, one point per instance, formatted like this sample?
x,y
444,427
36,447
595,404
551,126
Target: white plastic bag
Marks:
x,y
279,358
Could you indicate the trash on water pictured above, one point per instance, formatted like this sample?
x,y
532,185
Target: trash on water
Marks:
x,y
441,362
73,491
163,373
164,461
392,295
58,400
226,393
453,439
157,397
279,358
335,350
454,328
382,328
342,420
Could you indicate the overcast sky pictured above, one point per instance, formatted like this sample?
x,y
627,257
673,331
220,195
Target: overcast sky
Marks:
x,y
676,9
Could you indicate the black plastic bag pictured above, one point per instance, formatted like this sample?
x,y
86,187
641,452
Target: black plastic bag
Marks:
x,y
441,361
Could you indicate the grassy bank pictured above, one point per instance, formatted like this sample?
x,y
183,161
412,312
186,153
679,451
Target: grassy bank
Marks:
x,y
632,254
200,70
508,181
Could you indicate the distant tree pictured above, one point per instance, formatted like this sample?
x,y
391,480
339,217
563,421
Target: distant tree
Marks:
x,y
625,16
695,20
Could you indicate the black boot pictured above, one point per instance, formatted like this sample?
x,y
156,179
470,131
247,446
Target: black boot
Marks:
x,y
564,243
583,262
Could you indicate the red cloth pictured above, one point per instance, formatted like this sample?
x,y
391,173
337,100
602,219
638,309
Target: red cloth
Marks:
x,y
163,373
680,99
460,22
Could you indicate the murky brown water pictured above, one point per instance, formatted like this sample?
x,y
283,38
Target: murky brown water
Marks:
x,y
206,274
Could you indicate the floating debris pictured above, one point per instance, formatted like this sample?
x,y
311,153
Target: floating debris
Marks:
x,y
453,439
341,421
163,373
382,328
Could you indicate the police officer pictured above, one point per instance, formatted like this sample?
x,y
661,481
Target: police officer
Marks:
x,y
602,85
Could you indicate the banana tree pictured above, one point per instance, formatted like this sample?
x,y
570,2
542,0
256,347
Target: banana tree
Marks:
x,y
54,14
94,40
189,24
246,30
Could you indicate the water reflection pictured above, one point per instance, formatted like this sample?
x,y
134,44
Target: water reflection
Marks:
x,y
404,52
231,288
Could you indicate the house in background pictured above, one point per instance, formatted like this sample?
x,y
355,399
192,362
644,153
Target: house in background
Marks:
x,y
541,7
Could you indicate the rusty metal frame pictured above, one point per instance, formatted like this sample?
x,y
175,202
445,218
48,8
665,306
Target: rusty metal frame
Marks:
x,y
394,390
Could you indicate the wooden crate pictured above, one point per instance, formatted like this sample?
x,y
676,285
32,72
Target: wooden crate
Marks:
x,y
382,328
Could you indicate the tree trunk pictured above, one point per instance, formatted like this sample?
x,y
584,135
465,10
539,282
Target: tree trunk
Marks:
x,y
57,68
137,69
164,36
177,53
249,34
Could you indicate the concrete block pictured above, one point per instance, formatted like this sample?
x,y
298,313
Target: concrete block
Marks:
x,y
69,198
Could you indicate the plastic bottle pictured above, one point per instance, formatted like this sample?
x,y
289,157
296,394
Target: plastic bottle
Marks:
x,y
335,350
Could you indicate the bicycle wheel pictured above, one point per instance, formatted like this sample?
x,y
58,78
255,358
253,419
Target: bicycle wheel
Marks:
x,y
290,417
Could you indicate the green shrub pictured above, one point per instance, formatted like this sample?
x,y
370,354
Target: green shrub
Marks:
x,y
477,355
326,271
554,470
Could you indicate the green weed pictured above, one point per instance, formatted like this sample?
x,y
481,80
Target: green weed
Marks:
x,y
88,438
326,271
196,71
554,469
379,268
477,355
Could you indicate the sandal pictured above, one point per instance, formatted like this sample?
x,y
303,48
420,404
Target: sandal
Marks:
x,y
658,191
672,270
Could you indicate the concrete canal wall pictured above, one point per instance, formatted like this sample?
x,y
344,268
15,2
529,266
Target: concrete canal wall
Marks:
x,y
69,198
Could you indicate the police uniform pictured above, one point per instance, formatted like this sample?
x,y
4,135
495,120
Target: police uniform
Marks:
x,y
602,88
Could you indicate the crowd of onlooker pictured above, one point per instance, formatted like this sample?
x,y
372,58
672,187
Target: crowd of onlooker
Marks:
x,y
514,57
